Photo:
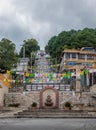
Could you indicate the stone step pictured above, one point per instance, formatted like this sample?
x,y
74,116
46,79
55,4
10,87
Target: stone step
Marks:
x,y
55,110
54,114
48,113
58,111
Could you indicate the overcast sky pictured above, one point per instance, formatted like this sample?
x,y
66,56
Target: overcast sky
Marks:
x,y
42,19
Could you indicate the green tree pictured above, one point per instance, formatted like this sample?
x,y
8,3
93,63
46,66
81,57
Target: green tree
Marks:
x,y
70,39
8,55
30,45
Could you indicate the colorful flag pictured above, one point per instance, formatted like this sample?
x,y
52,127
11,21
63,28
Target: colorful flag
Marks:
x,y
31,75
81,73
86,71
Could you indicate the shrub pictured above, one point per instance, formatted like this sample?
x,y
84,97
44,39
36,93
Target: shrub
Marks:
x,y
34,104
14,105
68,104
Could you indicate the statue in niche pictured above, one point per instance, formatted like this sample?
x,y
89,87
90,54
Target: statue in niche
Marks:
x,y
48,101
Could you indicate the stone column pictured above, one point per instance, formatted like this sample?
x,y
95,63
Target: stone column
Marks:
x,y
78,84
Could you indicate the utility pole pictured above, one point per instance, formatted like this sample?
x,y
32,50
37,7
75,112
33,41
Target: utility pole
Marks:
x,y
23,57
23,64
32,53
23,51
31,62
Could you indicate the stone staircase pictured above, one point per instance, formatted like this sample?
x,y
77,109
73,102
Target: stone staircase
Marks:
x,y
55,113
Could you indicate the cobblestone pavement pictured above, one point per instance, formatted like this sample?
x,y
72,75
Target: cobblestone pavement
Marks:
x,y
48,124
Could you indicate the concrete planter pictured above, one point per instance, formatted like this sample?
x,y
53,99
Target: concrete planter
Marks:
x,y
34,108
66,108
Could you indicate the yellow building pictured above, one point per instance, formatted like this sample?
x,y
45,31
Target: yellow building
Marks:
x,y
85,56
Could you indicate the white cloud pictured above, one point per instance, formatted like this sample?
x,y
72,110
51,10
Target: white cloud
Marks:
x,y
41,19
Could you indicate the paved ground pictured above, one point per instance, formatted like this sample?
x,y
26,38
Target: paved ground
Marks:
x,y
10,111
47,124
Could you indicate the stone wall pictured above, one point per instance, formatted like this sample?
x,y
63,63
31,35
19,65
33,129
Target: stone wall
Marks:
x,y
26,98
85,98
65,96
3,90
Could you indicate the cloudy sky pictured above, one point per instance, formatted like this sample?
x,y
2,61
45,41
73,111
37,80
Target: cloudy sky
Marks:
x,y
42,19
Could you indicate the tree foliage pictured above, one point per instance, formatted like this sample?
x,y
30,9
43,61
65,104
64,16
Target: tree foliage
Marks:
x,y
8,56
31,45
71,39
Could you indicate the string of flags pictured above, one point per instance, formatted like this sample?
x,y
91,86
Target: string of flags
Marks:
x,y
31,77
46,66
